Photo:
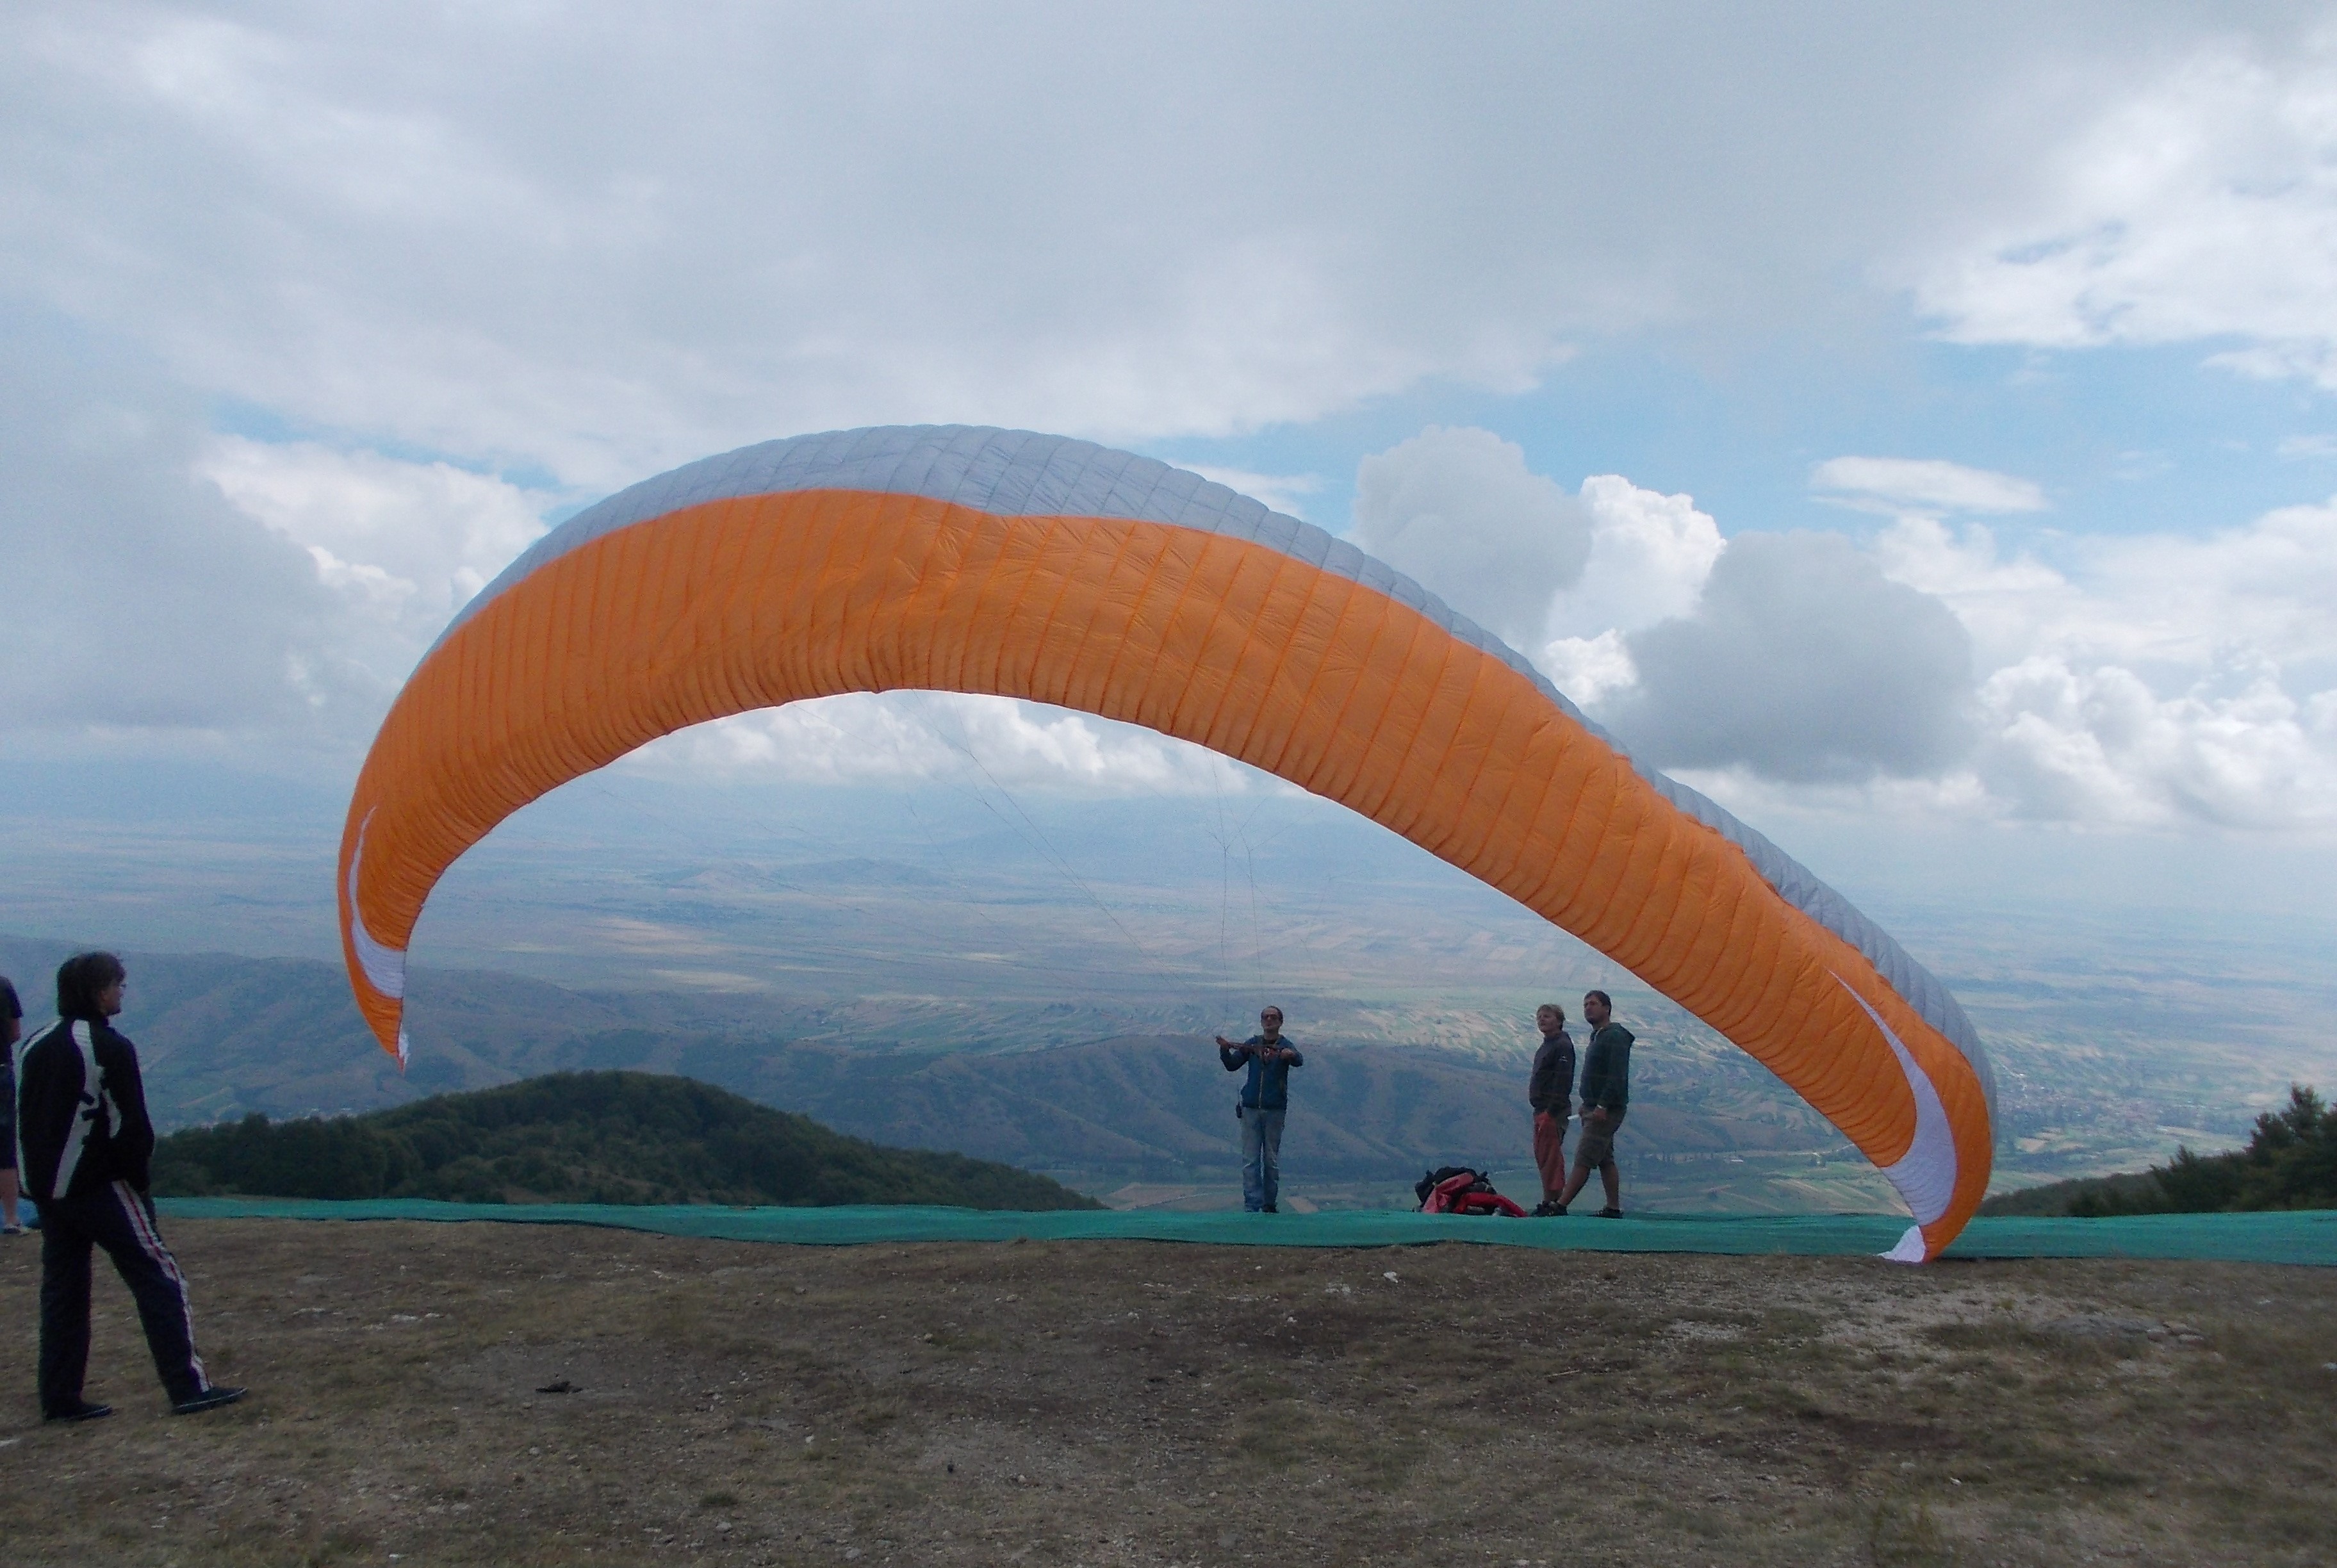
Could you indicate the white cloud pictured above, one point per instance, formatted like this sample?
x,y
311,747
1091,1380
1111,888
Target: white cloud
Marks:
x,y
407,544
1591,670
908,736
1897,483
139,598
683,236
2200,204
569,245
2270,587
1285,492
1650,555
2153,680
2150,600
1801,661
573,239
2161,682
2098,746
1459,513
2006,604
2145,680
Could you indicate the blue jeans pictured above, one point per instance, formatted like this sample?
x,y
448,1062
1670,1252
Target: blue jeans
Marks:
x,y
1261,1157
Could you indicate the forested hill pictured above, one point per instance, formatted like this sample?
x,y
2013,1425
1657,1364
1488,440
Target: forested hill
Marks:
x,y
2289,1163
607,1137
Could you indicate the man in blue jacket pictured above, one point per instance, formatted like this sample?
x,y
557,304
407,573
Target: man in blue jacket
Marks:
x,y
81,1114
1265,1100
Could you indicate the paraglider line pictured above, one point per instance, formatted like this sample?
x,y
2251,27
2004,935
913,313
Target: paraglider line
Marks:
x,y
1040,840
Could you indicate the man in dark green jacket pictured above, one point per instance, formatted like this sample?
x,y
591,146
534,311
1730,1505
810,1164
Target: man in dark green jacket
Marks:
x,y
1605,1096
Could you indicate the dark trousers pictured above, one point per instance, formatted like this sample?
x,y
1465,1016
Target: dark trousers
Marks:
x,y
122,1223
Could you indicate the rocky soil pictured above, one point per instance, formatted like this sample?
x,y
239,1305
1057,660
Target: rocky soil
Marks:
x,y
489,1394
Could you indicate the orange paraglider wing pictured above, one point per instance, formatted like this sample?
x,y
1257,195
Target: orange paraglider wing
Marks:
x,y
1003,562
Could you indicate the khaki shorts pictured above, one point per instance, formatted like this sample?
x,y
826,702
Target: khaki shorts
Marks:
x,y
1596,1145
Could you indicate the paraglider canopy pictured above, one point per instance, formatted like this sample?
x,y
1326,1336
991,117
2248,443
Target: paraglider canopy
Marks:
x,y
956,559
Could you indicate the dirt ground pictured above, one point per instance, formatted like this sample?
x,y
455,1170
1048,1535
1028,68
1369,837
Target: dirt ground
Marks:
x,y
488,1394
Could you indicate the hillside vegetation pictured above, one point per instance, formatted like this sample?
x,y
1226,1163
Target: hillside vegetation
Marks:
x,y
608,1137
2289,1163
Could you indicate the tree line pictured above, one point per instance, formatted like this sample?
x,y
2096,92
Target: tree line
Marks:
x,y
600,1138
2289,1163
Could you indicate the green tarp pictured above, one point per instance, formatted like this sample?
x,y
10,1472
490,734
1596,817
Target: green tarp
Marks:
x,y
2296,1237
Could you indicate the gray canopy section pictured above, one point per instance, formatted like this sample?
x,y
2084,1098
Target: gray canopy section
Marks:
x,y
1020,474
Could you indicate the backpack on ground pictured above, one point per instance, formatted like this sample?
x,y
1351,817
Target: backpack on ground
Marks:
x,y
1458,1189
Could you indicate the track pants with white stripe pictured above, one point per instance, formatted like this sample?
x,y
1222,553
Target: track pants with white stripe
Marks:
x,y
121,1221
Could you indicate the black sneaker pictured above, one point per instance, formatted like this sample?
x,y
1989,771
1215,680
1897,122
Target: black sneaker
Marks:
x,y
1610,1213
79,1410
209,1399
1269,1209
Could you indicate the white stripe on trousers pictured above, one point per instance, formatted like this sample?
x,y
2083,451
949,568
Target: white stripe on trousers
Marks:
x,y
151,1241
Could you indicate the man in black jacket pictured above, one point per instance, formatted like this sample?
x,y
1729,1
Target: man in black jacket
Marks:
x,y
81,1115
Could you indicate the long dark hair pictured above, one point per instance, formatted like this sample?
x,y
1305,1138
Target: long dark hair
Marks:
x,y
79,980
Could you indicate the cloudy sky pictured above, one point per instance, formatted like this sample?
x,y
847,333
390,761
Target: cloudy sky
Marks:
x,y
1875,414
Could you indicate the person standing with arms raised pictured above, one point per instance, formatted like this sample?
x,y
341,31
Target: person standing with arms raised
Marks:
x,y
1265,1101
81,1113
1606,1094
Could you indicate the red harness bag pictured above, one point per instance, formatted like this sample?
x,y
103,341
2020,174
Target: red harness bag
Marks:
x,y
1468,1193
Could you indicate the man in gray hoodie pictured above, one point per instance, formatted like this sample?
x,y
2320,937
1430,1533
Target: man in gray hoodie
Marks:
x,y
1606,1094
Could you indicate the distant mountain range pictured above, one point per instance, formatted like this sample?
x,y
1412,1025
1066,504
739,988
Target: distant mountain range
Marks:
x,y
584,1138
1127,1100
1060,1088
738,933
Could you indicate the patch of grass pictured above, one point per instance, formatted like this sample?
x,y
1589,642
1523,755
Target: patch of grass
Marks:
x,y
1272,1437
1901,1534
